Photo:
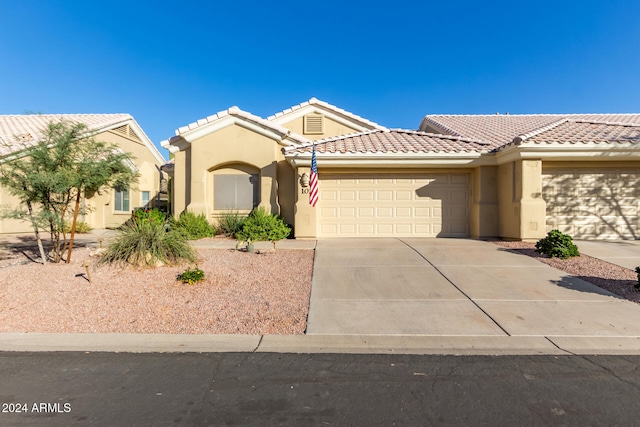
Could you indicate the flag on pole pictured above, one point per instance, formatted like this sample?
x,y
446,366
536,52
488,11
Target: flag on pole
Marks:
x,y
313,182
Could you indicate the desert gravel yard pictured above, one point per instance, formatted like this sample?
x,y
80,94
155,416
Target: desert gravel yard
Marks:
x,y
243,293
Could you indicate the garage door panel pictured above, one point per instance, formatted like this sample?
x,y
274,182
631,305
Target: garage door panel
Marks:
x,y
403,195
403,212
366,195
384,229
593,203
368,212
384,195
395,205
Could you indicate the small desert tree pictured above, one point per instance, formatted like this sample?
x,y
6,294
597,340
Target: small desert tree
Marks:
x,y
50,175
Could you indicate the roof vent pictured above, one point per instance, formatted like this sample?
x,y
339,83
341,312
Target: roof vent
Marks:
x,y
313,124
122,129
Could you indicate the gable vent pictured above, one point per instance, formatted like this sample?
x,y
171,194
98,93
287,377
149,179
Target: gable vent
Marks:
x,y
313,124
124,129
127,131
132,134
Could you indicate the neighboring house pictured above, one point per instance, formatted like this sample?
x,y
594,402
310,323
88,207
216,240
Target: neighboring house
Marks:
x,y
509,176
112,206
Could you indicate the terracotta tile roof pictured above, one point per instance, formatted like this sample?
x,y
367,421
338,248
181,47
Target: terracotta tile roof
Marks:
x,y
327,106
568,131
18,131
500,130
391,141
236,112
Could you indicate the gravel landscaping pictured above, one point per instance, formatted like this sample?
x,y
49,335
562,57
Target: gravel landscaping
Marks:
x,y
243,293
605,275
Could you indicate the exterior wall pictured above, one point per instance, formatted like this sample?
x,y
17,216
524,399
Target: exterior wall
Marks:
x,y
233,147
522,210
7,201
484,218
306,218
100,207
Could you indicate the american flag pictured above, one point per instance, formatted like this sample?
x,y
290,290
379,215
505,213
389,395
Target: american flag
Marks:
x,y
313,182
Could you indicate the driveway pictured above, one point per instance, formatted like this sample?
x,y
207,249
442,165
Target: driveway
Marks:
x,y
455,287
625,253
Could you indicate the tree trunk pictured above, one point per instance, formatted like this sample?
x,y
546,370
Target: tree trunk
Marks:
x,y
73,226
35,228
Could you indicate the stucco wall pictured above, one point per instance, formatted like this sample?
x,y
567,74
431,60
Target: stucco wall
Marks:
x,y
484,215
233,147
522,209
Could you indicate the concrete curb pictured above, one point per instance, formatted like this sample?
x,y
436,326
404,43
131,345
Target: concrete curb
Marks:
x,y
354,344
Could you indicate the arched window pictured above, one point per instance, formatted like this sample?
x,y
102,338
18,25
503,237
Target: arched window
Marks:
x,y
236,188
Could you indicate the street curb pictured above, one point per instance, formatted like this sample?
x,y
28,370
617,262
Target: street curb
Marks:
x,y
352,344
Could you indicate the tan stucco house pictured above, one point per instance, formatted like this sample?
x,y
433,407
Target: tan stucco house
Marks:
x,y
111,207
509,176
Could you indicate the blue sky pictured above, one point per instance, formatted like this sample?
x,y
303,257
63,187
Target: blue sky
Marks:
x,y
169,63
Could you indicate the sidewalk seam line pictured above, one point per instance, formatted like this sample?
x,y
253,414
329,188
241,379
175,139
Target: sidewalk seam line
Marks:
x,y
454,285
558,347
259,342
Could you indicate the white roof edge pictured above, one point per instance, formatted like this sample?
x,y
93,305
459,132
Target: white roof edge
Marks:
x,y
336,110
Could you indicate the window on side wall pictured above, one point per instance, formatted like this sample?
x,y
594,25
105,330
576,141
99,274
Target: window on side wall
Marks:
x,y
122,200
235,191
146,196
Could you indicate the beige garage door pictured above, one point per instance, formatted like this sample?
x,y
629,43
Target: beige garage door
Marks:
x,y
593,203
425,205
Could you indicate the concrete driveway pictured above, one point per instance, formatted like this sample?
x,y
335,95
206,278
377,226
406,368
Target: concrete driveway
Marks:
x,y
455,287
625,253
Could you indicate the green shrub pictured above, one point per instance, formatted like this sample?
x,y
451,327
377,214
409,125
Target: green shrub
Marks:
x,y
195,226
230,223
262,226
147,243
191,276
81,227
150,215
557,244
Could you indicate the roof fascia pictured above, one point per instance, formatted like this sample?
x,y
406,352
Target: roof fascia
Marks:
x,y
185,139
393,160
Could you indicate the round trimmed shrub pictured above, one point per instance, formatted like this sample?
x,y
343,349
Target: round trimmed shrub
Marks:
x,y
557,244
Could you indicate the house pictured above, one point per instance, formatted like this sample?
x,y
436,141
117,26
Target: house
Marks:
x,y
112,206
509,176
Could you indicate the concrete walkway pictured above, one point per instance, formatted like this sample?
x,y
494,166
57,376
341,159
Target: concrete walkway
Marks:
x,y
625,253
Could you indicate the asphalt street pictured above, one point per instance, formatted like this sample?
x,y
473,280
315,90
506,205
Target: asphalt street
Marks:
x,y
158,389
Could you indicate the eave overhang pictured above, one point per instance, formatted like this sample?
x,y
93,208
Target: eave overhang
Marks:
x,y
570,152
390,160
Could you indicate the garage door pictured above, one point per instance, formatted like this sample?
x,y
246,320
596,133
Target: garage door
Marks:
x,y
593,203
425,205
